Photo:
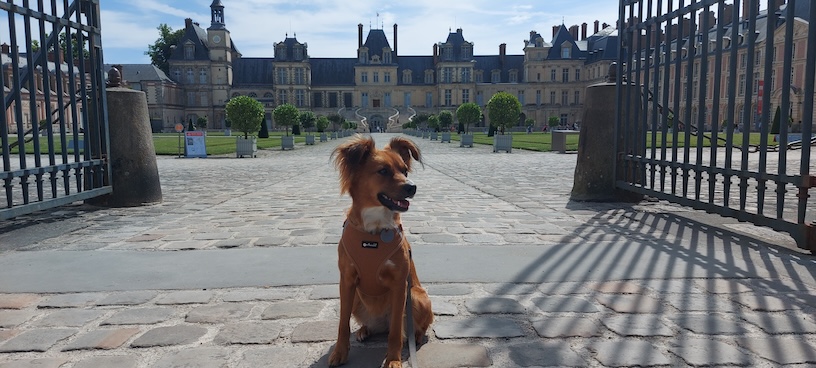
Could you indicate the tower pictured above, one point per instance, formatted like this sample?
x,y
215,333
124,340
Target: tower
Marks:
x,y
221,57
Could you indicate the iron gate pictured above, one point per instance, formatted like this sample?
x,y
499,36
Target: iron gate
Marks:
x,y
724,112
54,128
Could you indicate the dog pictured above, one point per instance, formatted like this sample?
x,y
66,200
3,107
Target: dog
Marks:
x,y
374,257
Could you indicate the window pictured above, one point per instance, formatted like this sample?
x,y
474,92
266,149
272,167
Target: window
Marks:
x,y
552,97
756,82
479,76
298,52
552,74
564,119
429,99
495,76
191,100
565,75
280,52
513,76
177,75
189,52
429,77
202,76
364,96
467,51
448,94
466,75
447,75
577,74
363,77
741,87
480,98
190,78
743,61
387,97
203,98
465,95
538,77
565,52
447,53
577,97
406,77
407,99
376,77
282,76
520,96
282,97
538,97
387,77
564,98
300,98
300,76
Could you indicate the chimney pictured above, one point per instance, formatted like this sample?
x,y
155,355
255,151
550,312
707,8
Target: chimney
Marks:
x,y
596,27
573,30
727,15
188,23
395,39
435,53
747,12
555,30
57,59
583,31
5,48
502,52
359,35
701,18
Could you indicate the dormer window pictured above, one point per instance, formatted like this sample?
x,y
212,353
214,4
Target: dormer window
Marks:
x,y
406,77
447,53
298,53
375,59
495,76
565,52
189,51
363,56
386,55
514,76
429,77
467,52
280,52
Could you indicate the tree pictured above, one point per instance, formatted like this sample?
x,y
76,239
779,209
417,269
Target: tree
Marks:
x,y
286,115
307,120
75,49
503,110
161,50
336,120
529,122
418,119
201,122
553,121
245,113
445,120
322,123
468,113
433,122
264,132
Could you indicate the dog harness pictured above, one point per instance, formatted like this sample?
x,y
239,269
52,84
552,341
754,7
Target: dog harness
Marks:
x,y
368,253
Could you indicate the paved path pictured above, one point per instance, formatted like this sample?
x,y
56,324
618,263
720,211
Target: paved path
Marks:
x,y
237,268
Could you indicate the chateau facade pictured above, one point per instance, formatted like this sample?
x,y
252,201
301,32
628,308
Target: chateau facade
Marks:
x,y
379,86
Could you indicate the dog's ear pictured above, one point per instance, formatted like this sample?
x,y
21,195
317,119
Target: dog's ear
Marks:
x,y
349,157
407,149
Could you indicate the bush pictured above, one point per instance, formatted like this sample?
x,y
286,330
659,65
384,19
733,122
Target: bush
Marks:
x,y
245,113
503,109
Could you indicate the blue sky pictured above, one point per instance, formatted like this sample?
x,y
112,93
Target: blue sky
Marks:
x,y
329,27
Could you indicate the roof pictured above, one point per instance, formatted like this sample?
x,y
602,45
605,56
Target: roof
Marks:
x,y
252,71
562,37
333,71
376,42
135,73
196,35
417,65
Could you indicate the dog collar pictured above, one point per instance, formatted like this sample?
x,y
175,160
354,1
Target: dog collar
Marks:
x,y
368,252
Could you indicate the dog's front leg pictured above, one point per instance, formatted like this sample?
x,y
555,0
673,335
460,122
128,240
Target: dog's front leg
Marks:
x,y
341,349
393,358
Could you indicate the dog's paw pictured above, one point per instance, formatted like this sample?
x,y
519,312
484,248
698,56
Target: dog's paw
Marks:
x,y
362,334
338,357
393,364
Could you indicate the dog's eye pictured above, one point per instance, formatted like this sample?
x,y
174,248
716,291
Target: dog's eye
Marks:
x,y
405,172
384,172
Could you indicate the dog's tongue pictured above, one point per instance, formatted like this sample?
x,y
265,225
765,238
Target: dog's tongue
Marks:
x,y
402,203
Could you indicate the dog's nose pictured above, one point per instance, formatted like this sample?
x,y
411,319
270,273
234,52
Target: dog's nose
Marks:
x,y
409,189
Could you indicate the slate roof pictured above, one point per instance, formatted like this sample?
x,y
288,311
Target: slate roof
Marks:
x,y
492,62
198,36
252,72
417,65
135,73
561,36
376,41
333,71
602,45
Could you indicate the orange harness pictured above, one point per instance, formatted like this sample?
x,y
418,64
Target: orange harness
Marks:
x,y
368,253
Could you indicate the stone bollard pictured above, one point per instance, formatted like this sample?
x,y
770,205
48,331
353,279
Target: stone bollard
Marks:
x,y
134,174
594,171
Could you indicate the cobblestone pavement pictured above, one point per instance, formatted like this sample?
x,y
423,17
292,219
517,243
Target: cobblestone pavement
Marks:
x,y
608,284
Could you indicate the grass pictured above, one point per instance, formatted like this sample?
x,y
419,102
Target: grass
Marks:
x,y
218,144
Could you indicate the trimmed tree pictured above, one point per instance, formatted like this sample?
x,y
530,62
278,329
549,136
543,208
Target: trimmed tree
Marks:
x,y
286,115
433,122
553,122
445,120
245,114
776,118
418,119
307,120
336,120
322,123
468,113
264,133
190,126
503,110
201,122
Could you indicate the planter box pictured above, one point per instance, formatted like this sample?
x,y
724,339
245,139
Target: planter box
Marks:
x,y
503,143
424,134
310,139
287,142
334,135
227,132
246,147
446,137
466,140
434,136
323,137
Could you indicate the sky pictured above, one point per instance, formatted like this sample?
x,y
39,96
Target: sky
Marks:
x,y
329,27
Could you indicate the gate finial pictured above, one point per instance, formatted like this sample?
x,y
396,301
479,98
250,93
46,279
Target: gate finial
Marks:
x,y
612,75
114,77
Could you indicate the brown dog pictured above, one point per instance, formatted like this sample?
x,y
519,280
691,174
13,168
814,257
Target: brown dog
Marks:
x,y
374,256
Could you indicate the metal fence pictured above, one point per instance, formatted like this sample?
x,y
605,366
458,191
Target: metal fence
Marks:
x,y
724,110
54,128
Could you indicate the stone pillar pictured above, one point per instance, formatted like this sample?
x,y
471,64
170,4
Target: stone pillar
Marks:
x,y
595,169
134,174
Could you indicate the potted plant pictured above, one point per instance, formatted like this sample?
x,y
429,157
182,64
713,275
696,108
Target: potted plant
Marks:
x,y
307,121
336,120
530,122
468,113
503,109
433,124
246,114
201,124
553,121
417,121
286,115
445,121
322,123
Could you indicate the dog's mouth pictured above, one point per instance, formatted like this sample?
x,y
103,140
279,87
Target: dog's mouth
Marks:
x,y
399,205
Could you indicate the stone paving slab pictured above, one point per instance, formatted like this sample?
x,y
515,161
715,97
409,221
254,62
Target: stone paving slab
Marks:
x,y
575,284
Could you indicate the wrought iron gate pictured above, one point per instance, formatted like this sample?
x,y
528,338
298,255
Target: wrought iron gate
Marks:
x,y
725,110
54,128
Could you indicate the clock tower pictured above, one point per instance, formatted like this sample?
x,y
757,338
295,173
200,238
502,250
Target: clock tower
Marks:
x,y
221,55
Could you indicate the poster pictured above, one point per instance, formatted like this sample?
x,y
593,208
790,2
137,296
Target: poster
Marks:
x,y
194,145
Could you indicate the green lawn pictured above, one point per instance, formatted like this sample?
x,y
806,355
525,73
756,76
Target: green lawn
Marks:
x,y
218,144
